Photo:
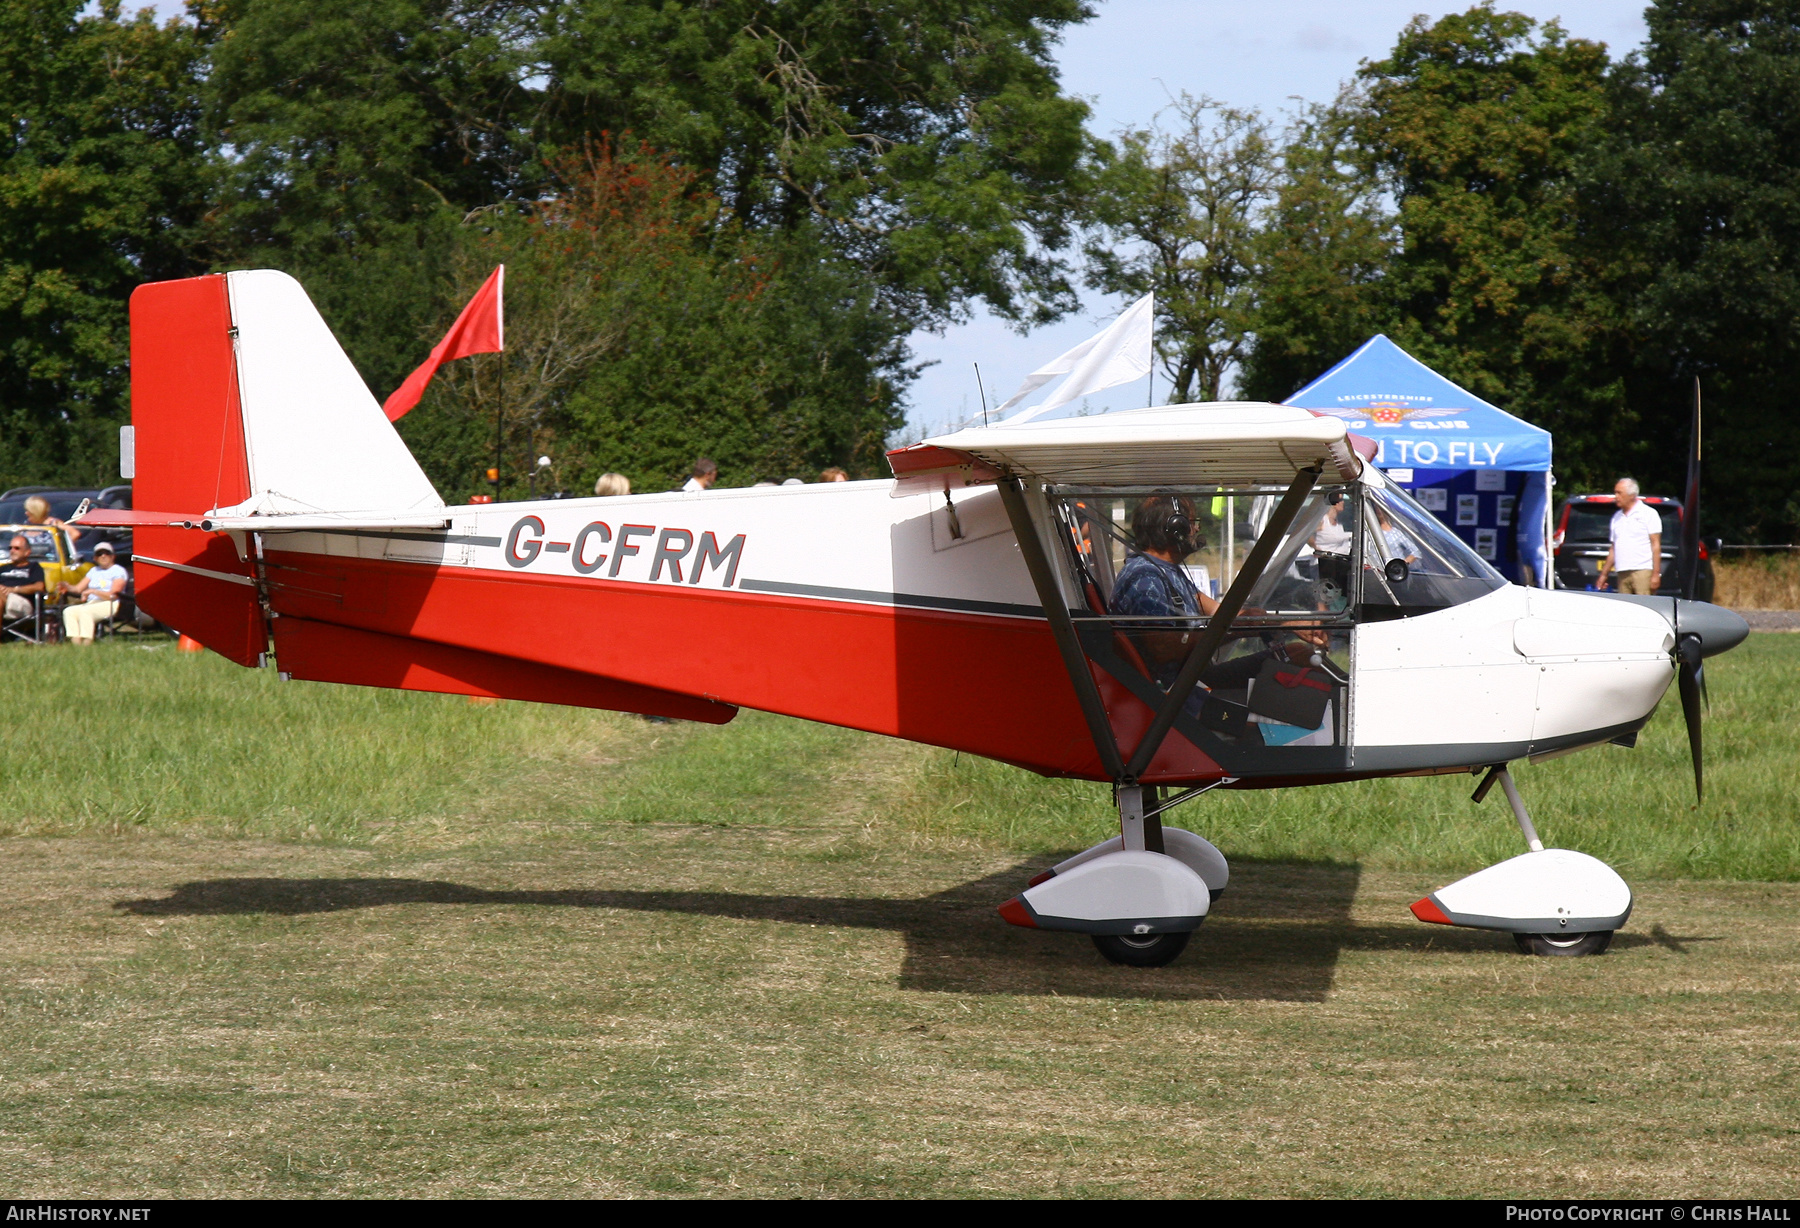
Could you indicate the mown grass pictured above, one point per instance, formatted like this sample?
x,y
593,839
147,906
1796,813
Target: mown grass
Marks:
x,y
724,1012
140,736
289,940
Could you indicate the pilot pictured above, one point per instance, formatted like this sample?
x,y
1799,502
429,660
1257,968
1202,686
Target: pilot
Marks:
x,y
1154,583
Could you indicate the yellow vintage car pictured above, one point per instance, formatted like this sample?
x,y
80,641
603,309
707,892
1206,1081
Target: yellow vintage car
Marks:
x,y
51,550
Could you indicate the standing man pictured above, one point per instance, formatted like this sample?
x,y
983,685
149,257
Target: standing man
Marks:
x,y
705,474
1636,551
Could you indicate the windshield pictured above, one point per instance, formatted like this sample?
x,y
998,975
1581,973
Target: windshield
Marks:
x,y
1438,570
43,547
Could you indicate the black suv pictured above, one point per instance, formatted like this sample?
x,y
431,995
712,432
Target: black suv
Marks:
x,y
1583,536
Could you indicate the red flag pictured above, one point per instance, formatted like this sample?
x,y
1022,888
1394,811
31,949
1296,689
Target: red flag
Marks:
x,y
480,329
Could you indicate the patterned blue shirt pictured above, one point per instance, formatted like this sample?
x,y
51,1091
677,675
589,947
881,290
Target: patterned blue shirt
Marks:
x,y
1148,585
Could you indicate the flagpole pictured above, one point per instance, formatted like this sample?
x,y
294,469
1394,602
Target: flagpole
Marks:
x,y
500,427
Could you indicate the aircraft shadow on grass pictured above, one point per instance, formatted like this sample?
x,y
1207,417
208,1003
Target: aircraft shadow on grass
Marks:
x,y
1277,933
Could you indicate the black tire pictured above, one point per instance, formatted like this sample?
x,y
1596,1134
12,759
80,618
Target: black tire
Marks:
x,y
1564,944
1141,951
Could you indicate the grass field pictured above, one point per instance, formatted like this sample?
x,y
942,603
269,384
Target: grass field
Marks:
x,y
290,939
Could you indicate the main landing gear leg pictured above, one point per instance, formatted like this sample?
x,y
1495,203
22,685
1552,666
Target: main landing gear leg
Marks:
x,y
1139,896
1141,833
1552,901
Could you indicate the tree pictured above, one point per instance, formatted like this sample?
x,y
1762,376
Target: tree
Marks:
x,y
349,138
1320,256
1696,194
645,326
1476,124
101,182
924,141
1178,213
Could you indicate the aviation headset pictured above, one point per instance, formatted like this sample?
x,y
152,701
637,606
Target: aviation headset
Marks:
x,y
1166,523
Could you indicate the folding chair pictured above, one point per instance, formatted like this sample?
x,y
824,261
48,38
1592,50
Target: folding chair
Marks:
x,y
30,627
124,614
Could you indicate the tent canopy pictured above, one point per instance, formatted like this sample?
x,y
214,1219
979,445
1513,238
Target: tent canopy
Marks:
x,y
1420,418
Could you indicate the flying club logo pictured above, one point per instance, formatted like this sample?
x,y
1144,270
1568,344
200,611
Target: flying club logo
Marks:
x,y
1395,412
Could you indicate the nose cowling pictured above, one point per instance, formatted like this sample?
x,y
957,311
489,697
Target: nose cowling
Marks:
x,y
1719,629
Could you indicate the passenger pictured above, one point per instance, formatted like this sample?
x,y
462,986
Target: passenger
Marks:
x,y
37,511
1331,544
1153,583
1399,545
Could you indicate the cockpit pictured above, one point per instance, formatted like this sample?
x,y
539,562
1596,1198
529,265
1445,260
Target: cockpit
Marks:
x,y
1152,564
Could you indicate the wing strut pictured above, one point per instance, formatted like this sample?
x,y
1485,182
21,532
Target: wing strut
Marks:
x,y
1220,623
1062,628
1056,609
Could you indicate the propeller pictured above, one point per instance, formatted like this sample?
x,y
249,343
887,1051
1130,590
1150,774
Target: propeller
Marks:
x,y
1690,669
1690,514
1691,677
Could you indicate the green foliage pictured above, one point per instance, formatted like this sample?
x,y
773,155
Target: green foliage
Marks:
x,y
1178,213
1476,123
350,137
646,324
1320,256
925,141
99,179
1696,191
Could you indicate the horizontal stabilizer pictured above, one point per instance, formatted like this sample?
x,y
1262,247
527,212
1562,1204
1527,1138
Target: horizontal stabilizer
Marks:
x,y
308,522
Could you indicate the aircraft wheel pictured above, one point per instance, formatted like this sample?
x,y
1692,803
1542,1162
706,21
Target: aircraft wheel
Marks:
x,y
1564,944
1148,951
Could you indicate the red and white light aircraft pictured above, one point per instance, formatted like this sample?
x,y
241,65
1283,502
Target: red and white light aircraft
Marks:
x,y
974,602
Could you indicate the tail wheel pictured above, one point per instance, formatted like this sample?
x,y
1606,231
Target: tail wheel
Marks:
x,y
1564,944
1141,950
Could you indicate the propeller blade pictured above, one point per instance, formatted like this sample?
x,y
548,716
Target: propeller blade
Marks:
x,y
1689,561
1692,682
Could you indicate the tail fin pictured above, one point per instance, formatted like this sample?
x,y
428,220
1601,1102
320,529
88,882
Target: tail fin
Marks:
x,y
243,403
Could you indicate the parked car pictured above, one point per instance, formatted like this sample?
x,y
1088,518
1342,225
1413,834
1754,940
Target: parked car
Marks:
x,y
63,503
50,549
1583,536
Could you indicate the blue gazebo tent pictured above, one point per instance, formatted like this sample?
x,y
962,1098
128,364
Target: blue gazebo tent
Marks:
x,y
1483,472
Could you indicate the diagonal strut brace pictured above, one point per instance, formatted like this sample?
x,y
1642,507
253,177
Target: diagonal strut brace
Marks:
x,y
1219,625
1062,628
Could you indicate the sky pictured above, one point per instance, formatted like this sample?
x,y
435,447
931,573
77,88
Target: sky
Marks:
x,y
1128,63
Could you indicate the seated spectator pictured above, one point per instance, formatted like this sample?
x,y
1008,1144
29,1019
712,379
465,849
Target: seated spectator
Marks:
x,y
834,474
37,511
99,591
612,484
21,578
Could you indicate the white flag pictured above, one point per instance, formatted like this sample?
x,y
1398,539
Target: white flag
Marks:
x,y
1119,355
